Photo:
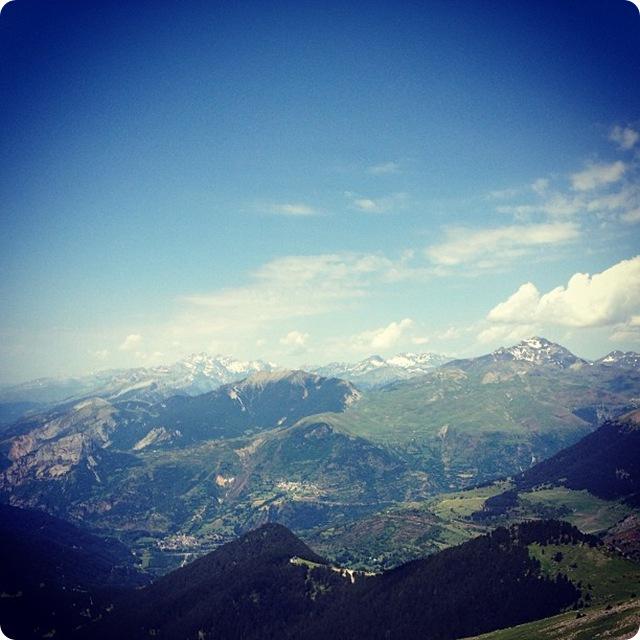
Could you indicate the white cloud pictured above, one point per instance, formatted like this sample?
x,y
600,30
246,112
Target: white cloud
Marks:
x,y
501,194
631,217
131,342
625,137
597,175
560,205
282,290
377,205
506,333
420,340
490,247
603,299
384,168
100,354
450,333
554,205
606,192
518,306
520,212
395,336
294,209
385,337
288,287
628,331
622,199
295,339
540,185
366,204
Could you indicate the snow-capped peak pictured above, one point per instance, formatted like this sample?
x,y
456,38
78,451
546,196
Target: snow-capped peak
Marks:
x,y
417,361
537,350
613,356
218,365
625,359
376,370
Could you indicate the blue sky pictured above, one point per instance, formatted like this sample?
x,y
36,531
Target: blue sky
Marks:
x,y
309,183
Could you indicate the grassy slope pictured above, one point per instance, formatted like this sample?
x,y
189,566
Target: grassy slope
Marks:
x,y
611,578
467,427
620,622
614,589
413,529
405,413
480,402
586,511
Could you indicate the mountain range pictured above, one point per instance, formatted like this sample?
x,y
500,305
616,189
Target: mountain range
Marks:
x,y
376,371
370,478
176,477
195,374
200,373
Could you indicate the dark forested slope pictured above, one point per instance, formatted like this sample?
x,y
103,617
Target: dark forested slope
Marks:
x,y
55,576
268,584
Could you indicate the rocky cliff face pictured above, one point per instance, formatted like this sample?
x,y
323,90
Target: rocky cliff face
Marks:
x,y
58,442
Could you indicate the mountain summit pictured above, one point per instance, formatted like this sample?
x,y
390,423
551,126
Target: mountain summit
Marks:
x,y
624,359
538,351
376,371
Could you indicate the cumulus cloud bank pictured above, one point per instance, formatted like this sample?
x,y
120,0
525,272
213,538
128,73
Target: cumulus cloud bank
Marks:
x,y
602,299
380,339
388,336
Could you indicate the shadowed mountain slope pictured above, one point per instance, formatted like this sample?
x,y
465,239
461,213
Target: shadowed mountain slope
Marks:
x,y
55,576
606,462
268,584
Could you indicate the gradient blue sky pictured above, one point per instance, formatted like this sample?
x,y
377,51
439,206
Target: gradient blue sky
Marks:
x,y
306,182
